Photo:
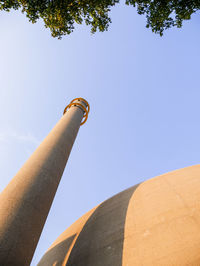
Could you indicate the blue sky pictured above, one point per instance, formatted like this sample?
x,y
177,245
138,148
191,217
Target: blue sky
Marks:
x,y
144,94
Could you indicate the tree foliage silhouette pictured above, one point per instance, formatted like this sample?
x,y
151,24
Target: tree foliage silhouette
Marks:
x,y
164,14
60,15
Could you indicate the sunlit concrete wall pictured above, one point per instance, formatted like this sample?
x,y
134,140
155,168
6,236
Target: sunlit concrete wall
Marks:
x,y
154,223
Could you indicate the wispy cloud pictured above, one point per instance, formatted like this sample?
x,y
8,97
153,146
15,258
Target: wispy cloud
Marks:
x,y
13,135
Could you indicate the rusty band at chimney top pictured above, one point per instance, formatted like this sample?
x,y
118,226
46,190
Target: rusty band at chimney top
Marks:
x,y
77,102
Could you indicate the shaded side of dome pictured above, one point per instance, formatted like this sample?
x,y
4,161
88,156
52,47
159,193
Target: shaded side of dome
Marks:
x,y
100,229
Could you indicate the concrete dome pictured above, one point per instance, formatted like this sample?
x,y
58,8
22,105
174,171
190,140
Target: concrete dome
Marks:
x,y
154,223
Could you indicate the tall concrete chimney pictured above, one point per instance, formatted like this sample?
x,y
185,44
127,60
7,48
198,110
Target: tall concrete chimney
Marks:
x,y
26,201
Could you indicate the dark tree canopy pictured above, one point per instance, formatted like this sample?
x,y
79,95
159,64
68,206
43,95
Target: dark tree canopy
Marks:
x,y
164,14
60,15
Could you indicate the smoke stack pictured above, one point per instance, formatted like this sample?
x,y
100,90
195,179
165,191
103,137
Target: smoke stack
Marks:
x,y
26,201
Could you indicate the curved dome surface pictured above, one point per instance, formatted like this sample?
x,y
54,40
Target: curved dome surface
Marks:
x,y
154,223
